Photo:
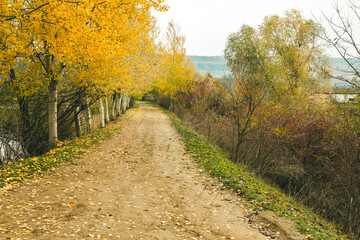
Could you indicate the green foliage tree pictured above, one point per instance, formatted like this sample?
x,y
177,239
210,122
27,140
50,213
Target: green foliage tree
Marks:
x,y
294,52
246,59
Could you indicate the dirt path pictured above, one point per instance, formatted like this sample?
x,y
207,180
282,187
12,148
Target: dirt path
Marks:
x,y
139,184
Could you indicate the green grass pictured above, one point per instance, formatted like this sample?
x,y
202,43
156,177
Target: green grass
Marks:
x,y
136,105
259,195
153,105
18,171
138,99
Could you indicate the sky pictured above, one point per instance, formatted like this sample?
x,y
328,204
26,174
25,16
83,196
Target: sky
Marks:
x,y
207,23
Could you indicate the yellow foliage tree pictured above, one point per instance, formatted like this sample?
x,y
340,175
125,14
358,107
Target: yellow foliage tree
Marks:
x,y
175,71
93,43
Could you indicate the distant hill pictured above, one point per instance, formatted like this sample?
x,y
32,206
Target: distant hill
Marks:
x,y
216,66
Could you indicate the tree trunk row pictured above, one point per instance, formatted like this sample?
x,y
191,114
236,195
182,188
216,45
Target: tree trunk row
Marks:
x,y
109,111
83,120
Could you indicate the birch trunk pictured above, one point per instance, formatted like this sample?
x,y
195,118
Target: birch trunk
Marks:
x,y
53,134
102,113
78,122
123,104
52,91
128,102
88,115
113,106
107,118
118,106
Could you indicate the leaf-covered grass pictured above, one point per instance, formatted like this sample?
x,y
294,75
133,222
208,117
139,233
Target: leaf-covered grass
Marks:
x,y
259,195
18,171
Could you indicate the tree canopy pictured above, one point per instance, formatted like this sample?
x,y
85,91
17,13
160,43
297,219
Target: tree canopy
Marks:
x,y
96,46
285,50
176,71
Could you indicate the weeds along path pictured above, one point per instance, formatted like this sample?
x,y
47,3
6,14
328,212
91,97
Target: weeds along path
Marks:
x,y
139,184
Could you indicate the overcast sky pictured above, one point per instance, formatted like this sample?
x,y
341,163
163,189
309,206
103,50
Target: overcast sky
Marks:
x,y
207,23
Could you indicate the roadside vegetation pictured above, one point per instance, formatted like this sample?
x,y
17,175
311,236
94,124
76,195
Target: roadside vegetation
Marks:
x,y
65,73
61,67
57,63
67,151
269,116
260,195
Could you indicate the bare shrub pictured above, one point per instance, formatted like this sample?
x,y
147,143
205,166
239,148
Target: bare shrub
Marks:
x,y
309,150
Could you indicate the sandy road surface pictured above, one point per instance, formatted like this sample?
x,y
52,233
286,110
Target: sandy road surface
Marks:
x,y
140,184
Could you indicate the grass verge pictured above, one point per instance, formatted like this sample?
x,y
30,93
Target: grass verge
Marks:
x,y
18,171
259,195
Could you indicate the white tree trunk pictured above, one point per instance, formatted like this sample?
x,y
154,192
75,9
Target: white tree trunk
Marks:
x,y
53,134
82,122
128,102
88,115
118,104
102,113
107,118
123,104
52,91
126,99
113,106
78,122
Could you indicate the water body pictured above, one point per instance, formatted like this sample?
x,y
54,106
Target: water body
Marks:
x,y
10,149
216,66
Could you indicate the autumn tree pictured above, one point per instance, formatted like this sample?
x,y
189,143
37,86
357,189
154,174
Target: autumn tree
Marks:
x,y
89,43
275,63
294,53
246,58
175,70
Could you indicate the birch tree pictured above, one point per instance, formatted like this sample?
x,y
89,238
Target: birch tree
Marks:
x,y
93,39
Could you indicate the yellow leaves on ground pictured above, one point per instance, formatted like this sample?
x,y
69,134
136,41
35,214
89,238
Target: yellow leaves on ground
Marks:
x,y
17,171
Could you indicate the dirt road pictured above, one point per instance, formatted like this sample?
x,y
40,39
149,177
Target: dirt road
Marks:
x,y
140,184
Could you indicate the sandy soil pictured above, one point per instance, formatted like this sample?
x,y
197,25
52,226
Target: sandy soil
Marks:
x,y
140,184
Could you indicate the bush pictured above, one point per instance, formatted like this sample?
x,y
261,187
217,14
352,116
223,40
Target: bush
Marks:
x,y
310,150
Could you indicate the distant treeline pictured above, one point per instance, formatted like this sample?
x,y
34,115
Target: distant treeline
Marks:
x,y
216,66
